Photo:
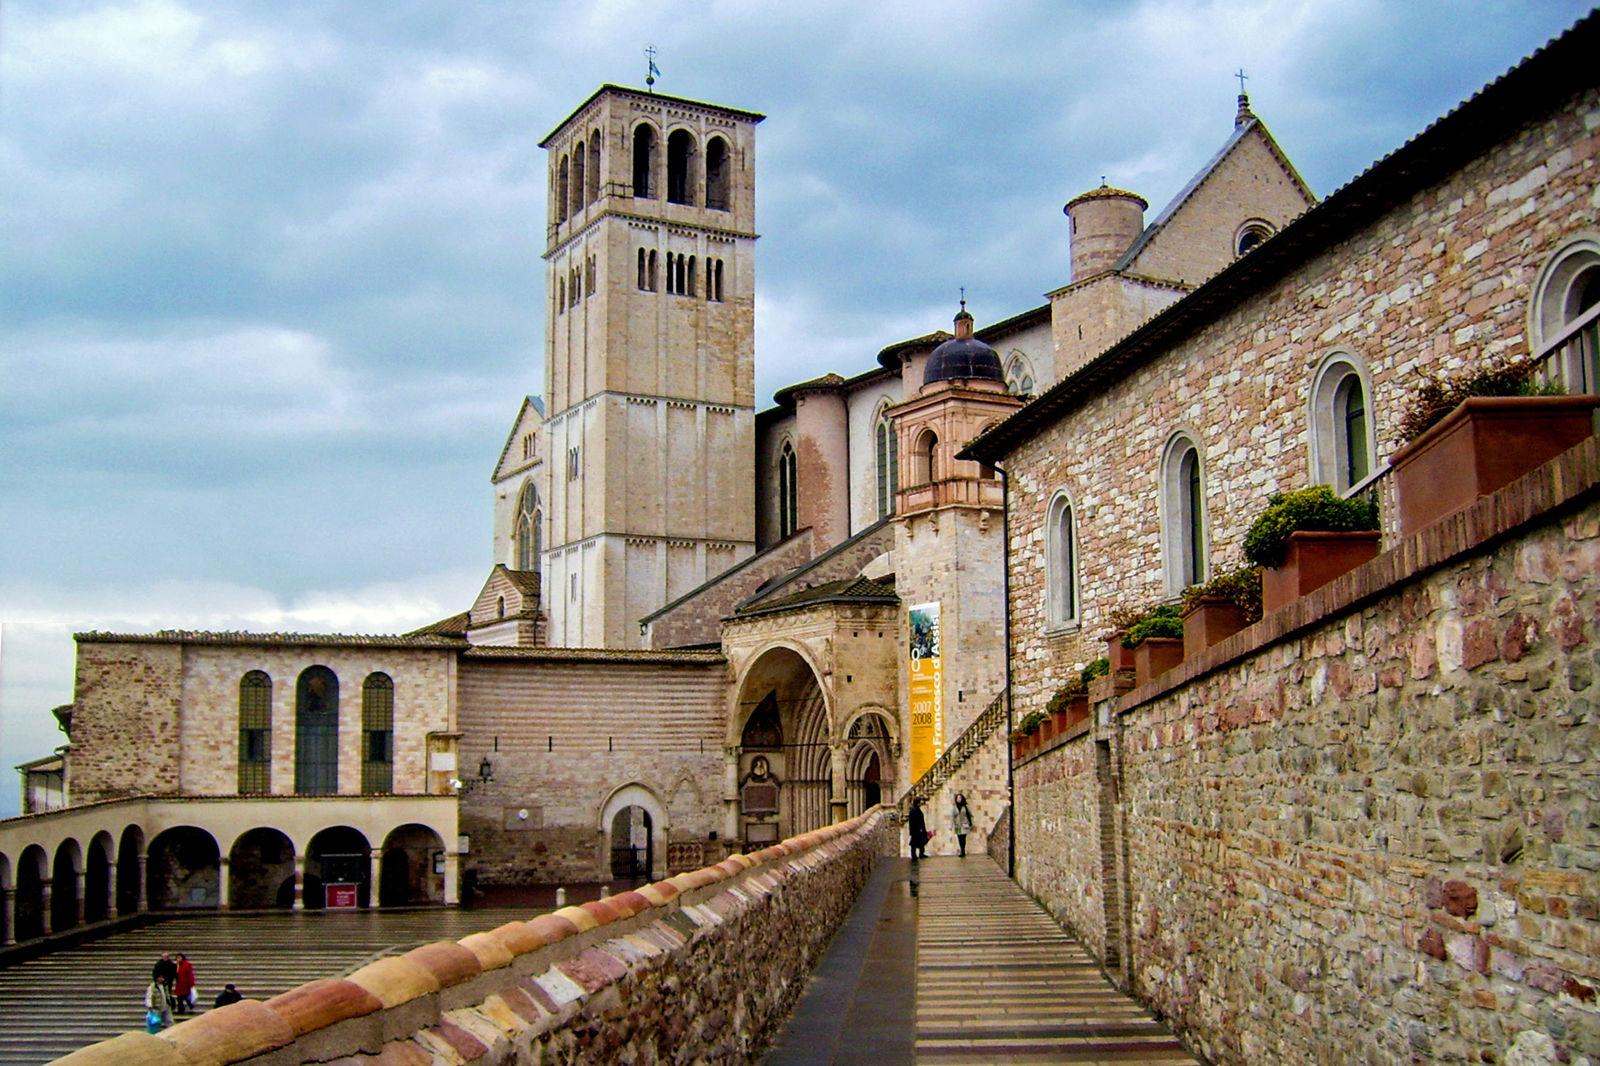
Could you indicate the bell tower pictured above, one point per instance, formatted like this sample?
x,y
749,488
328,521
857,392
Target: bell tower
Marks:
x,y
649,358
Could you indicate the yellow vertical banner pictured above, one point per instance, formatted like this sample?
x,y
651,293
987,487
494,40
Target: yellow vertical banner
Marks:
x,y
927,689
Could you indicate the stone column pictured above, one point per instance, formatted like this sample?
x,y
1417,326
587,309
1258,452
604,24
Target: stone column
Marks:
x,y
838,802
224,900
83,877
144,883
299,882
374,874
8,920
730,829
112,880
452,870
47,891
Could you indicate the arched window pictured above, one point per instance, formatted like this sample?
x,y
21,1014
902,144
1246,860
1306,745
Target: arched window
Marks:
x,y
588,280
1183,513
1061,562
561,190
377,734
1019,375
717,174
643,283
255,733
925,458
1566,315
526,530
788,493
689,275
594,167
680,275
1250,235
888,455
561,296
719,280
680,159
655,285
1342,450
579,158
316,732
644,161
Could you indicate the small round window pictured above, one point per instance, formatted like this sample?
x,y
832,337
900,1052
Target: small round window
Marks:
x,y
1250,235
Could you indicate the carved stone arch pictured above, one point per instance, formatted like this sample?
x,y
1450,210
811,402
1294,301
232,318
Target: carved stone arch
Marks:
x,y
738,715
891,722
682,809
657,824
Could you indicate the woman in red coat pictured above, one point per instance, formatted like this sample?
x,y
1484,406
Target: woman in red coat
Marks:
x,y
183,987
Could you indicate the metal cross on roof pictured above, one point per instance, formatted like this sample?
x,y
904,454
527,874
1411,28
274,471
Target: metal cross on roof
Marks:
x,y
1241,75
651,71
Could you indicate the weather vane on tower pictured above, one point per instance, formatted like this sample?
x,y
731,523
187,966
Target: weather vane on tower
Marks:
x,y
652,72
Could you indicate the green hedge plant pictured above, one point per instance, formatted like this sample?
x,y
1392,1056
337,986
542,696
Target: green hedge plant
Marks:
x,y
1315,508
1163,621
1078,684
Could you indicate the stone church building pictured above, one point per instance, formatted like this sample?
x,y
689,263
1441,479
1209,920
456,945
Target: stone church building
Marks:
x,y
707,626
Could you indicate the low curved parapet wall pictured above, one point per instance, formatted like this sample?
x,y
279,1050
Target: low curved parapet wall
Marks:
x,y
699,967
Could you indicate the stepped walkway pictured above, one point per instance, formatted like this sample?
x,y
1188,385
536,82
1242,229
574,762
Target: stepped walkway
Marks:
x,y
953,964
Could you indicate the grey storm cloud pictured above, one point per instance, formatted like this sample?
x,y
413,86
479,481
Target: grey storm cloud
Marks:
x,y
270,288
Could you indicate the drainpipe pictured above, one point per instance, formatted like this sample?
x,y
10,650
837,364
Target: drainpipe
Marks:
x,y
1005,578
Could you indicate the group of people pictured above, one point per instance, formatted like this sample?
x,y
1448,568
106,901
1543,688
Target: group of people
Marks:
x,y
172,991
960,825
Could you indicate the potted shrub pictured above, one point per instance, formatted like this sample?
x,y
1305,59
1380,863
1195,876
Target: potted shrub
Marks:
x,y
1471,434
1305,539
1119,653
1070,704
1221,607
1026,735
1157,642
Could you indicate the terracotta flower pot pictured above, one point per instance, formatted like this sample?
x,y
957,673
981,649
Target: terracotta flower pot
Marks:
x,y
1155,656
1121,657
1486,443
1078,709
1313,559
1210,620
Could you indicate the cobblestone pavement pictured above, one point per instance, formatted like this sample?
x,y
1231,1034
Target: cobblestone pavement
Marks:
x,y
950,963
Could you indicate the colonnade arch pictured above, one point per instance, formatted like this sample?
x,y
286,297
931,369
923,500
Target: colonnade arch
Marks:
x,y
785,776
634,822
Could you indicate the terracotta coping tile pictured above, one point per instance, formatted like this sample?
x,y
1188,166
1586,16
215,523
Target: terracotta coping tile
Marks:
x,y
682,882
129,1049
553,927
668,888
519,938
700,878
632,901
729,867
465,1044
582,919
768,854
490,950
604,911
655,895
228,1034
396,980
447,960
318,1004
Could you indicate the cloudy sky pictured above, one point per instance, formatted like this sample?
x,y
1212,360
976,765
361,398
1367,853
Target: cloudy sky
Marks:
x,y
270,287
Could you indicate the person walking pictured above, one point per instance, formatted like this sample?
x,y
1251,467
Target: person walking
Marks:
x,y
961,822
918,825
183,985
165,971
157,1006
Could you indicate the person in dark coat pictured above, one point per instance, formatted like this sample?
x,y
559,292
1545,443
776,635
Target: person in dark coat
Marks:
x,y
228,995
165,972
919,831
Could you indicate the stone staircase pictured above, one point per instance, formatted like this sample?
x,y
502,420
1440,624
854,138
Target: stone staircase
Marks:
x,y
994,717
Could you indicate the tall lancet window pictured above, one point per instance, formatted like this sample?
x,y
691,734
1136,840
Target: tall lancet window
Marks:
x,y
788,492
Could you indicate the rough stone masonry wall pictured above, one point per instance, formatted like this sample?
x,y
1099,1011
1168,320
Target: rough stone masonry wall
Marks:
x,y
125,721
1441,281
1368,828
699,968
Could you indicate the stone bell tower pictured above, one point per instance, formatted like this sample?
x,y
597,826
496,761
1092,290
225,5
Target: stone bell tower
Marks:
x,y
649,358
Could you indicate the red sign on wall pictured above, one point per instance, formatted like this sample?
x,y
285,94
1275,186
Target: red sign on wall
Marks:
x,y
340,896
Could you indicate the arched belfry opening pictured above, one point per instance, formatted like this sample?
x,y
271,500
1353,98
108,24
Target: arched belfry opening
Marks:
x,y
680,167
785,765
644,161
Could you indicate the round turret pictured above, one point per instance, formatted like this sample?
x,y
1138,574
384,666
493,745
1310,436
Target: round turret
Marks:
x,y
1105,221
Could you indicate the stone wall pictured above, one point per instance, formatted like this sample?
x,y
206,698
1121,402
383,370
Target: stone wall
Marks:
x,y
982,779
697,617
566,733
1365,829
700,968
1439,281
124,721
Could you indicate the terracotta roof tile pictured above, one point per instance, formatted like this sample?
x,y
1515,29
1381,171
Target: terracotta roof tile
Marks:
x,y
584,920
196,636
519,938
228,1034
634,901
396,980
603,910
553,927
318,1004
129,1049
490,950
448,961
666,656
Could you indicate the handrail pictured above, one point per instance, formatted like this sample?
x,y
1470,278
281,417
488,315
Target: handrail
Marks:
x,y
954,756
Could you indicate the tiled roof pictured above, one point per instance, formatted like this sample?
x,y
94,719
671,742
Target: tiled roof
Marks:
x,y
653,97
664,656
849,590
527,581
418,639
454,626
798,573
1557,71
